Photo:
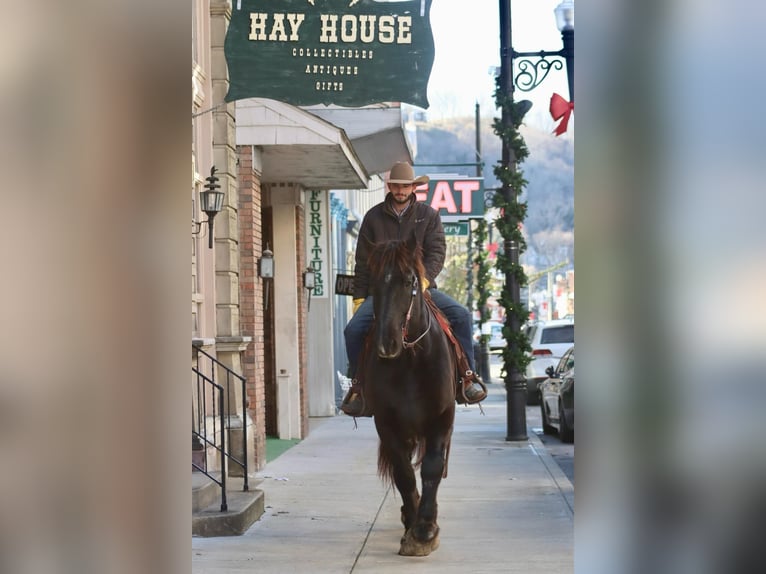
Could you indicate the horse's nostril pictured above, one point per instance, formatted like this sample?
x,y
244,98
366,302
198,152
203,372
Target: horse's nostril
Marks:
x,y
389,351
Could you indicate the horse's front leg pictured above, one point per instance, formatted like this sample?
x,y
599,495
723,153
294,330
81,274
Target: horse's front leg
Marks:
x,y
404,479
431,475
423,537
395,461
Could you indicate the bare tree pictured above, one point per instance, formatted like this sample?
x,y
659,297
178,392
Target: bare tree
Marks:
x,y
552,246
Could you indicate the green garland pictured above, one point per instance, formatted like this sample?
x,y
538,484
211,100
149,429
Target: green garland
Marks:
x,y
482,274
516,352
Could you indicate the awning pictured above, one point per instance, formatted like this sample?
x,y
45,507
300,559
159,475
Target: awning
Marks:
x,y
298,147
376,132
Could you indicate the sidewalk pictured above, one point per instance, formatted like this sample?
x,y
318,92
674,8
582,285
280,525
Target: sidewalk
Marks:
x,y
504,507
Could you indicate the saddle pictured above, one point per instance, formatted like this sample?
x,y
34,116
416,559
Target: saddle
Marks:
x,y
464,371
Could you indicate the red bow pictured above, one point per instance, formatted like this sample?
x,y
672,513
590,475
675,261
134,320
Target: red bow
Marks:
x,y
560,108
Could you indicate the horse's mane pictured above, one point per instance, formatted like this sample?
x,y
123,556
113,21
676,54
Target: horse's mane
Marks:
x,y
403,255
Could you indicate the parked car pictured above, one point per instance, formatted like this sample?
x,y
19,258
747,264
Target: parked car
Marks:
x,y
549,341
496,339
557,398
495,331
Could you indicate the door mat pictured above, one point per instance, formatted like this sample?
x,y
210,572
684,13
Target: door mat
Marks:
x,y
276,446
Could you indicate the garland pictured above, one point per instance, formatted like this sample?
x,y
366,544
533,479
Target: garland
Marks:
x,y
516,353
482,275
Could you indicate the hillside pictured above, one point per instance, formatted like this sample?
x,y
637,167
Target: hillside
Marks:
x,y
549,171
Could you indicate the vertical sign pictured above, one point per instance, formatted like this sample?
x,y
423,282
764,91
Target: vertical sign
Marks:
x,y
317,217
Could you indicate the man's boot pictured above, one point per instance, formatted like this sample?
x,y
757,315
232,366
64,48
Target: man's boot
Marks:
x,y
353,403
473,390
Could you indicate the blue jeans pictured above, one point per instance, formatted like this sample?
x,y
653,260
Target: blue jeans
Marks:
x,y
458,316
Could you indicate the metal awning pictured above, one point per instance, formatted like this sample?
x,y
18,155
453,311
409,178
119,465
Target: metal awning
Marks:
x,y
375,131
299,147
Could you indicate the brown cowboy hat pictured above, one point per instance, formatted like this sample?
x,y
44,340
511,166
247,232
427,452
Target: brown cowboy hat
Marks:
x,y
402,173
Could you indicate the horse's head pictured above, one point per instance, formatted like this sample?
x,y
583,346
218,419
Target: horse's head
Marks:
x,y
396,273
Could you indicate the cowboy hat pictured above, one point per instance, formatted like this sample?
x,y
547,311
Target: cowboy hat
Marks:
x,y
402,173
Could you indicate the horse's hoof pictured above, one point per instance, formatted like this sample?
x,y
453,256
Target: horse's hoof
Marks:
x,y
410,546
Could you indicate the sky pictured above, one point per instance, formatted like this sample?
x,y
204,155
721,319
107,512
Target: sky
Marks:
x,y
467,45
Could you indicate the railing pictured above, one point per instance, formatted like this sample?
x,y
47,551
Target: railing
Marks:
x,y
210,420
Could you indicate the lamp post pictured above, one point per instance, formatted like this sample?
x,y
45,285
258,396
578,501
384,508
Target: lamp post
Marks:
x,y
533,69
565,23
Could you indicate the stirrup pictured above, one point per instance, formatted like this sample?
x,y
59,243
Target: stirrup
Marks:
x,y
468,376
356,389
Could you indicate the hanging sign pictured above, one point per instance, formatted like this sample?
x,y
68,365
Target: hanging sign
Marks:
x,y
345,52
455,199
344,284
459,228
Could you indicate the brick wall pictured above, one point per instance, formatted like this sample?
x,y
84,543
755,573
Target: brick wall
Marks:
x,y
251,298
300,233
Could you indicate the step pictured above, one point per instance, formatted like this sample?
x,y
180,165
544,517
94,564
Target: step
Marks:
x,y
244,508
205,491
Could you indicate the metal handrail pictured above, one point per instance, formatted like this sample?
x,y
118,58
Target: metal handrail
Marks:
x,y
201,433
203,436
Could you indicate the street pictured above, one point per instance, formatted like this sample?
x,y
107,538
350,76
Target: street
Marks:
x,y
562,453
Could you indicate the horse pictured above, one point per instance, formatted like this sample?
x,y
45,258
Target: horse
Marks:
x,y
410,375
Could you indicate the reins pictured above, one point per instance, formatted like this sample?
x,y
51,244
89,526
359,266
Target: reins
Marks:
x,y
410,344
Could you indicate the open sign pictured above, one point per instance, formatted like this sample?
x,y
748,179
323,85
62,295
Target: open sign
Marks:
x,y
455,199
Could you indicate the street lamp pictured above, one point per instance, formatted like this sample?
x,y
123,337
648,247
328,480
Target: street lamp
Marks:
x,y
533,69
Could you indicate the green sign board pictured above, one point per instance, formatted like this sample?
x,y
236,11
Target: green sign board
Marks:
x,y
457,228
456,199
345,52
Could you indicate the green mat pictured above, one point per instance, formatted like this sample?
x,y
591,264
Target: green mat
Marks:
x,y
276,446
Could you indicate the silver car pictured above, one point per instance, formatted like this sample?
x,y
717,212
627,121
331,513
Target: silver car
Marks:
x,y
557,398
549,341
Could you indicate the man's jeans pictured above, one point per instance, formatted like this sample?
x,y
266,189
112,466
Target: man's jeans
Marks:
x,y
458,316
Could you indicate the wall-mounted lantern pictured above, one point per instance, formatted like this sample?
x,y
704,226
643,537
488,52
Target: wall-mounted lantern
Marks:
x,y
308,283
308,278
211,202
266,266
266,271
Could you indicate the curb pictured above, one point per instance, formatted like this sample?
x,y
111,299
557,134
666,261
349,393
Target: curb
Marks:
x,y
565,486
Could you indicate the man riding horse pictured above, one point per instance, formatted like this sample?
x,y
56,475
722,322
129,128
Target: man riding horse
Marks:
x,y
399,217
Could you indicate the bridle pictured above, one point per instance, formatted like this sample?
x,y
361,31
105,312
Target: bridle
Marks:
x,y
410,344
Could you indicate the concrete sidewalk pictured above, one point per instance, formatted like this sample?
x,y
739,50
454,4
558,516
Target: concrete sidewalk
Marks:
x,y
504,507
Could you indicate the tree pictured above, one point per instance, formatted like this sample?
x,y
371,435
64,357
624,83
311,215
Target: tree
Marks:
x,y
552,246
452,279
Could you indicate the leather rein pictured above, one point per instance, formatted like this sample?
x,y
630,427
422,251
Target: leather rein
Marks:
x,y
410,344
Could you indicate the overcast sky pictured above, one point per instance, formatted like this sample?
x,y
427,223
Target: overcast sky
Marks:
x,y
467,41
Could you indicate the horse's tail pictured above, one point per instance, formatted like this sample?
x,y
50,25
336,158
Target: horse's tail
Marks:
x,y
386,463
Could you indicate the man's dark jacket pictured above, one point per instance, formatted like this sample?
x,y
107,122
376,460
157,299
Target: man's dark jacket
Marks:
x,y
382,223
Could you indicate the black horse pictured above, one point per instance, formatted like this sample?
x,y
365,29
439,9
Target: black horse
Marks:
x,y
410,373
